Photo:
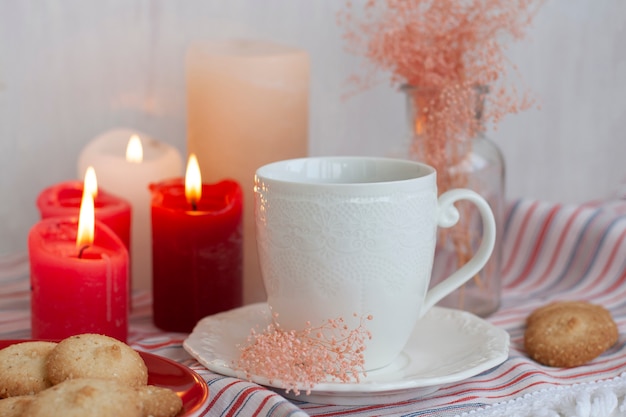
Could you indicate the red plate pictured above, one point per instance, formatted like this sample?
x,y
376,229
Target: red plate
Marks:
x,y
163,372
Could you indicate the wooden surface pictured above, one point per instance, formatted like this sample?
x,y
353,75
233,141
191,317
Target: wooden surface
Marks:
x,y
71,69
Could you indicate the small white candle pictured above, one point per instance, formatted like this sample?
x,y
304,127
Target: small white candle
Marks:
x,y
128,176
247,104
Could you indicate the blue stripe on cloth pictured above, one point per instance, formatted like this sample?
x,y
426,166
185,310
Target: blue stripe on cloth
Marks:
x,y
510,214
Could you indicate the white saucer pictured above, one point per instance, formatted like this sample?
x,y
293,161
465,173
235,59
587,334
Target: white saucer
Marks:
x,y
446,346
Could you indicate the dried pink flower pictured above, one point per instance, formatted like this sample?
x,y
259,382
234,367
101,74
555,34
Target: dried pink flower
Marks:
x,y
331,351
449,46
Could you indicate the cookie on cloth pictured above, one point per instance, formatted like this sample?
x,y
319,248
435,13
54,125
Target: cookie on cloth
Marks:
x,y
85,397
22,368
15,406
569,333
158,401
96,356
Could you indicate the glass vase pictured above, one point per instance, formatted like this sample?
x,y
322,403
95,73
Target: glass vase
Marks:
x,y
446,132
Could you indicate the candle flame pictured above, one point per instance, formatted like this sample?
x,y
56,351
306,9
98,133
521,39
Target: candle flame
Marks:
x,y
90,184
193,181
134,150
86,221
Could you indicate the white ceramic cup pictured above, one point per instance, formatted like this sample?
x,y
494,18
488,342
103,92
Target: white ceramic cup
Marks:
x,y
339,236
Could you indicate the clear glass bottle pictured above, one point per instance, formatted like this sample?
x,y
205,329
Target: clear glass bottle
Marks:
x,y
443,137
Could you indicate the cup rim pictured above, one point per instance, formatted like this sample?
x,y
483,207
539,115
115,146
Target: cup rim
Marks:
x,y
269,172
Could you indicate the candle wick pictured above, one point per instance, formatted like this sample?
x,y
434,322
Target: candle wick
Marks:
x,y
194,205
81,250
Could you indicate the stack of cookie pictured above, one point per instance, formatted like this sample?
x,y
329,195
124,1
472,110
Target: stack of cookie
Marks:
x,y
84,375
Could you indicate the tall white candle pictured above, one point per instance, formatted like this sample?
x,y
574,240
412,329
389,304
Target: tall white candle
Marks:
x,y
247,104
130,179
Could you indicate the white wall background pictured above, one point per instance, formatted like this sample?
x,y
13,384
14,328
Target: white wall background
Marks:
x,y
71,69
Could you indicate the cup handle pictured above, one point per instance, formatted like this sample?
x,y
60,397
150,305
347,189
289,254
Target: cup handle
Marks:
x,y
448,216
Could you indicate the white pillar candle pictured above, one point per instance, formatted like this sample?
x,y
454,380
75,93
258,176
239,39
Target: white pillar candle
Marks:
x,y
130,180
247,104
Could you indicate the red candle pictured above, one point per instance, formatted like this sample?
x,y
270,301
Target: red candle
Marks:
x,y
77,288
196,251
63,200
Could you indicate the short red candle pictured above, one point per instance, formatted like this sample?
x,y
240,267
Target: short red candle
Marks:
x,y
72,295
196,254
63,200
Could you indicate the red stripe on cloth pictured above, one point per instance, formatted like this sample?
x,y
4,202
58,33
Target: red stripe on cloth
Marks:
x,y
464,399
485,389
243,396
518,240
481,381
610,262
557,251
261,405
365,410
538,246
513,394
222,391
159,345
205,412
614,297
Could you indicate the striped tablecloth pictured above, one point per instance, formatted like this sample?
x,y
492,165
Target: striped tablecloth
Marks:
x,y
551,252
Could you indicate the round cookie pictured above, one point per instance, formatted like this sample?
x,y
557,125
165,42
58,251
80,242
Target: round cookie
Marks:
x,y
96,356
85,397
15,406
158,401
569,333
22,368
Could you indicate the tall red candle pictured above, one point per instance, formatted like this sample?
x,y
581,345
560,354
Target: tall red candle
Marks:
x,y
63,200
197,254
72,294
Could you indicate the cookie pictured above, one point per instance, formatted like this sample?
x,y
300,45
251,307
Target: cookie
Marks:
x,y
85,397
22,368
15,406
158,401
96,356
569,333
